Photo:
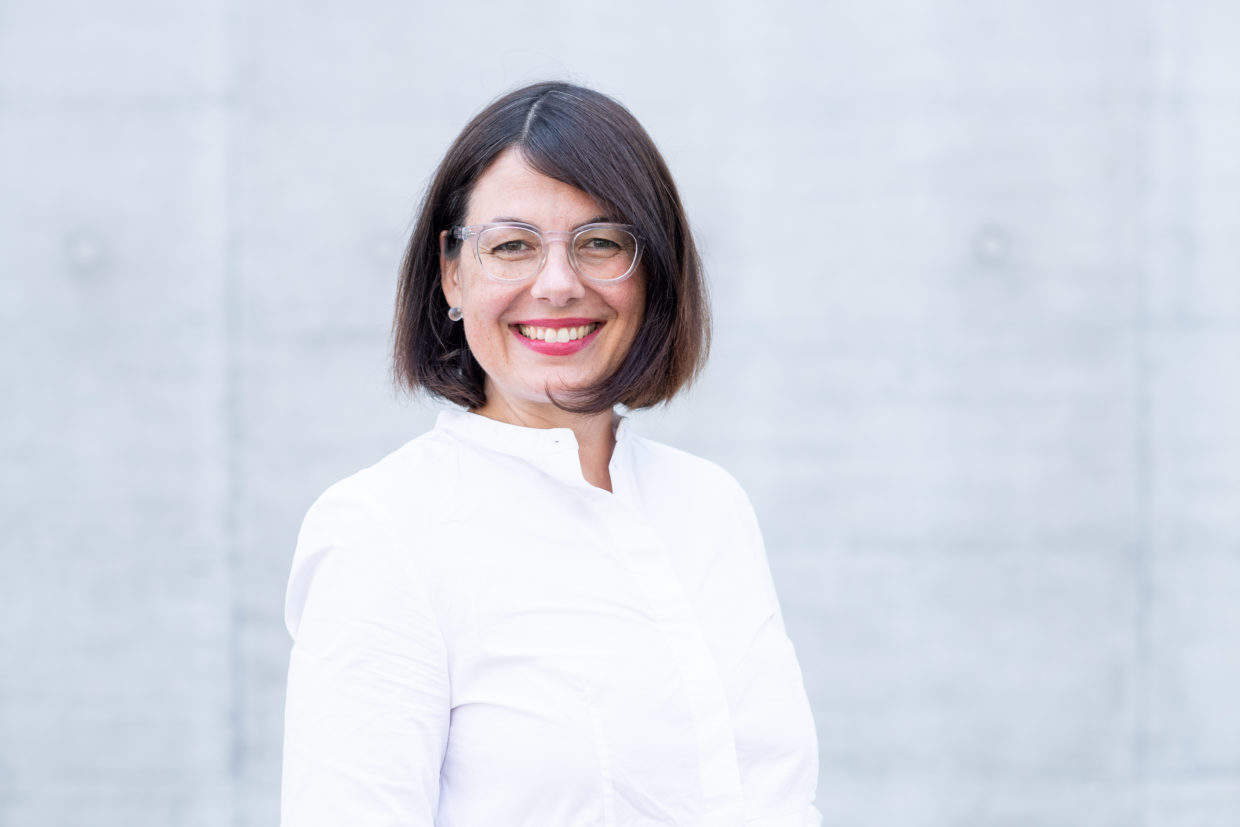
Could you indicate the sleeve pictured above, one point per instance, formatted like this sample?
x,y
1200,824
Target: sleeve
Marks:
x,y
367,705
750,534
794,777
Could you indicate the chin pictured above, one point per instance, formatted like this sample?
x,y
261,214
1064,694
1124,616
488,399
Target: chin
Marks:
x,y
559,385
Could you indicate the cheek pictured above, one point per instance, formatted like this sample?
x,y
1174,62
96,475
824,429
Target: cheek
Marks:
x,y
487,334
486,307
634,307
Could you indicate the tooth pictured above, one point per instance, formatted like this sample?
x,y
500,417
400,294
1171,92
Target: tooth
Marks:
x,y
548,335
578,332
526,330
562,335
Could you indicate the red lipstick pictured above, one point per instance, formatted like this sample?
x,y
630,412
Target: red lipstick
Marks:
x,y
573,322
557,348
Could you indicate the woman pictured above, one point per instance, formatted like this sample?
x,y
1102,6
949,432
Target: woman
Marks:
x,y
532,615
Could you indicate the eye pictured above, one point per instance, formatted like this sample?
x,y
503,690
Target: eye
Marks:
x,y
515,246
509,243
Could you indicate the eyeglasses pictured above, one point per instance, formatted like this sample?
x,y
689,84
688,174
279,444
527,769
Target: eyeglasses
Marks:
x,y
512,252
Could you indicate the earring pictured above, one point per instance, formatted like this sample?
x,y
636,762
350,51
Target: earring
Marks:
x,y
455,314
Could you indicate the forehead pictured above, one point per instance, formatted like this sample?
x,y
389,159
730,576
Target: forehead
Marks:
x,y
510,187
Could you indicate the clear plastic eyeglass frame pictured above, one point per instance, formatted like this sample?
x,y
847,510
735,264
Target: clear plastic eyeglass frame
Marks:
x,y
548,237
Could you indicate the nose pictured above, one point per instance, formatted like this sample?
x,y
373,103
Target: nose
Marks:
x,y
557,282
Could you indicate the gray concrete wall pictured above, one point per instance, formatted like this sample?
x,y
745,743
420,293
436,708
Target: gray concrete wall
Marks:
x,y
975,273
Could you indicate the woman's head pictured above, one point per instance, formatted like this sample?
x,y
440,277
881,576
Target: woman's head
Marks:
x,y
554,156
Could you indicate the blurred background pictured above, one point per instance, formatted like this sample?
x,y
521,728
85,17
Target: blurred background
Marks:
x,y
974,268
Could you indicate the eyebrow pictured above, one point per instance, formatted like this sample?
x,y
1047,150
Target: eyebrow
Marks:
x,y
598,219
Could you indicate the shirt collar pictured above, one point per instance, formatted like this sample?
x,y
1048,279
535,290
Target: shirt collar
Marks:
x,y
534,444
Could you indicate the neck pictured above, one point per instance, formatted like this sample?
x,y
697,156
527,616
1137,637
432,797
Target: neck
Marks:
x,y
588,428
595,433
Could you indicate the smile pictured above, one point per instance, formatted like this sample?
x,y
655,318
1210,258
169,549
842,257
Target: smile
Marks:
x,y
556,334
556,341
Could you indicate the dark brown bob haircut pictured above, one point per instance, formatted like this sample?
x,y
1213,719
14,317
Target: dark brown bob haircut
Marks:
x,y
589,141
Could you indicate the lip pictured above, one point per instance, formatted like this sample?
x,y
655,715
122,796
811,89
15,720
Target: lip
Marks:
x,y
557,348
573,322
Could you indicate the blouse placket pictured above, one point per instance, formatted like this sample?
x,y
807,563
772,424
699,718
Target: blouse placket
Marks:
x,y
647,558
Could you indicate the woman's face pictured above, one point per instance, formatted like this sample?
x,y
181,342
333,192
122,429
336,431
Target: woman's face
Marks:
x,y
556,297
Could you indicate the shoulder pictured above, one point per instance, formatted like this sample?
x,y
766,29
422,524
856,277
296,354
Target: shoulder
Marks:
x,y
381,522
419,477
665,466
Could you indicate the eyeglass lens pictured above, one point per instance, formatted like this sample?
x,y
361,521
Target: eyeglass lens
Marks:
x,y
517,252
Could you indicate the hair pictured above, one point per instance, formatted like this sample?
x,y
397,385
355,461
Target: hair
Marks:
x,y
588,140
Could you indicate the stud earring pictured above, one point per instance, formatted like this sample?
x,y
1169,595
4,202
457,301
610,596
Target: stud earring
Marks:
x,y
455,314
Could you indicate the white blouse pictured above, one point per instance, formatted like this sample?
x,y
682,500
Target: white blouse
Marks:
x,y
482,638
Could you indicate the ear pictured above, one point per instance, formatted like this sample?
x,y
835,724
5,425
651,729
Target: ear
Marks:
x,y
447,272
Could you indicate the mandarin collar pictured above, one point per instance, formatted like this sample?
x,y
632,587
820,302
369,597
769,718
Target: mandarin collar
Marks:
x,y
518,440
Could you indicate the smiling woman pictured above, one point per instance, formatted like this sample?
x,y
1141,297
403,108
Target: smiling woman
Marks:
x,y
552,156
531,614
512,280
